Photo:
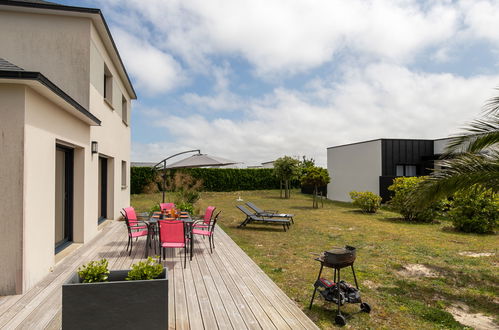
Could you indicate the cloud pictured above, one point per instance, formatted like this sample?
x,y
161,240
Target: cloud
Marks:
x,y
482,19
288,37
153,70
376,101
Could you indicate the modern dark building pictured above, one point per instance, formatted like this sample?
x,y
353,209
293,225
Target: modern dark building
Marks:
x,y
372,165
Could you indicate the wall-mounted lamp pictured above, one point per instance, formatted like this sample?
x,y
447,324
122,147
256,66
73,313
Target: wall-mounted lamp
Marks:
x,y
95,147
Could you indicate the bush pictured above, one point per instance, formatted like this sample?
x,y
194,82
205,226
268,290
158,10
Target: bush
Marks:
x,y
145,270
94,271
475,210
401,202
365,200
187,207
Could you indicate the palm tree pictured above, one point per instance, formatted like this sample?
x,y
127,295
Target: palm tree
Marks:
x,y
470,158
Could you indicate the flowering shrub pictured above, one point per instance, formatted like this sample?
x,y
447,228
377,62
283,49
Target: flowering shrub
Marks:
x,y
475,210
365,200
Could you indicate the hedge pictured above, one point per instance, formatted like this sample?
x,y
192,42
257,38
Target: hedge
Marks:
x,y
140,177
215,179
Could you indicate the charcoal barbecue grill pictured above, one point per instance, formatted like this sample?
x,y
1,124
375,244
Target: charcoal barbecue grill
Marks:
x,y
339,292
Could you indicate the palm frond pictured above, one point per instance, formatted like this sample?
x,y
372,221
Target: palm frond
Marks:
x,y
480,134
461,172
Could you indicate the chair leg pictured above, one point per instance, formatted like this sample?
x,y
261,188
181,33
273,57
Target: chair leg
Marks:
x,y
185,255
211,249
128,243
131,245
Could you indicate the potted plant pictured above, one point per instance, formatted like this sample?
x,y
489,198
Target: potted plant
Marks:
x,y
96,298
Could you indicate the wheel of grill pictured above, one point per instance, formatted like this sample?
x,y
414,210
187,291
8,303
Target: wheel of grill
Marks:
x,y
365,307
340,320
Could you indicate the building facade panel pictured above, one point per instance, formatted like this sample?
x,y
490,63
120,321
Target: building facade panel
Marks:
x,y
353,167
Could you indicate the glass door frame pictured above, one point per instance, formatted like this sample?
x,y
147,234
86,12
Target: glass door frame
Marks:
x,y
68,199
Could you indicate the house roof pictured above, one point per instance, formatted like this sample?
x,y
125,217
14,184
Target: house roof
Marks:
x,y
98,19
9,71
7,66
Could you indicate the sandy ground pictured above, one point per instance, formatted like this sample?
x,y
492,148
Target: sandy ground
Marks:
x,y
477,321
476,254
417,270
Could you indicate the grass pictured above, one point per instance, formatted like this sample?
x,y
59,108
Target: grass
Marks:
x,y
385,244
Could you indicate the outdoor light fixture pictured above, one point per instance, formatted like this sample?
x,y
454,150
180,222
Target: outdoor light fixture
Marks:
x,y
95,147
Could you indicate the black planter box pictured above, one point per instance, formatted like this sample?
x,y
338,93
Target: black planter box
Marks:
x,y
117,304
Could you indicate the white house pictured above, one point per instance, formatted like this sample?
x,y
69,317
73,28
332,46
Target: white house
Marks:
x,y
64,134
372,165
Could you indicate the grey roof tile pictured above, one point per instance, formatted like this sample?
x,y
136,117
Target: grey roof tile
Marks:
x,y
7,66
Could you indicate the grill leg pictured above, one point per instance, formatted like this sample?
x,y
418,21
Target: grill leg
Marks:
x,y
339,292
354,277
315,289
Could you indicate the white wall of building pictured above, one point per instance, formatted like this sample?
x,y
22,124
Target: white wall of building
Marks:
x,y
353,167
69,52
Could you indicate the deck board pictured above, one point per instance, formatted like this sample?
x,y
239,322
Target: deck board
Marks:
x,y
220,290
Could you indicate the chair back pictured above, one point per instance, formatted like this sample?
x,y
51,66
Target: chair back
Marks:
x,y
208,214
171,231
130,218
244,210
166,206
254,207
214,222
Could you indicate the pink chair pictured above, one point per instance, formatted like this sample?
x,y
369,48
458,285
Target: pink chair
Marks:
x,y
207,232
136,228
166,206
130,215
172,235
206,218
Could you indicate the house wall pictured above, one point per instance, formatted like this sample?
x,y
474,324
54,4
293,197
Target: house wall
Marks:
x,y
11,187
113,136
353,167
440,145
47,125
69,52
57,46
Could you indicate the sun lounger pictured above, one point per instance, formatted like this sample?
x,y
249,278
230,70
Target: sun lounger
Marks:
x,y
250,217
269,213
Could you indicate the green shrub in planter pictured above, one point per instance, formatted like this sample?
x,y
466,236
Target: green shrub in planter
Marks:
x,y
145,270
94,271
365,200
401,202
475,210
187,207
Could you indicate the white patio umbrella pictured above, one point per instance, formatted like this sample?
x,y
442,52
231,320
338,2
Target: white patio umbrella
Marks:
x,y
197,160
201,160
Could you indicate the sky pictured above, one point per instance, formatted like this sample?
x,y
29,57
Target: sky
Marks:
x,y
254,80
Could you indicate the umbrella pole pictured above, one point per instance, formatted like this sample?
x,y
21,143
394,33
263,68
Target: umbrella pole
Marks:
x,y
164,181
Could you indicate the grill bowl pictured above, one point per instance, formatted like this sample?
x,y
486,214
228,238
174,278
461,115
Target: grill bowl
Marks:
x,y
340,257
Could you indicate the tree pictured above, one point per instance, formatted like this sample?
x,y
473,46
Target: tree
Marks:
x,y
286,169
470,158
316,177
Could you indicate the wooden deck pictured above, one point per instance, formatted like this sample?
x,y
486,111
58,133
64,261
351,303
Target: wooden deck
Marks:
x,y
223,290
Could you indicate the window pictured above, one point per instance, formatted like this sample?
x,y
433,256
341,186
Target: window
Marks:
x,y
124,110
108,85
123,174
405,170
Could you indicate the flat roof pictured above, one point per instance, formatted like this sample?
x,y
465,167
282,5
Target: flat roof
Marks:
x,y
383,139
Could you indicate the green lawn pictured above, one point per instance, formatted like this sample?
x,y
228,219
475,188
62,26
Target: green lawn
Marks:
x,y
384,246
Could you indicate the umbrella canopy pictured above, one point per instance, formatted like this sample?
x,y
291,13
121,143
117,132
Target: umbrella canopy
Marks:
x,y
201,160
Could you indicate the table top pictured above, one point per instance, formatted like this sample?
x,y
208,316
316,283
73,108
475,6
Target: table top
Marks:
x,y
184,217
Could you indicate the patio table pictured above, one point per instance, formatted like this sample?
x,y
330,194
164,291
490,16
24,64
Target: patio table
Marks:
x,y
152,226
